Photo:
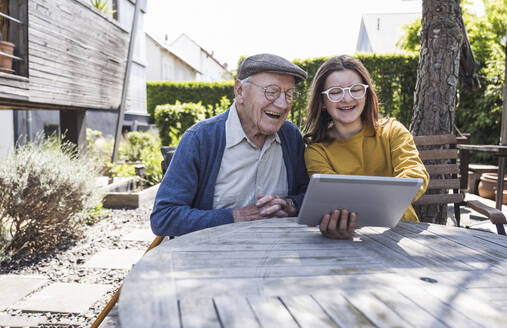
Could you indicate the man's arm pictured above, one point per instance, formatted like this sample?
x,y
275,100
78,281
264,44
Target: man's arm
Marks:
x,y
174,213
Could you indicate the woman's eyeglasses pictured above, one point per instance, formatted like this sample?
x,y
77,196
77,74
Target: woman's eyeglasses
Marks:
x,y
356,91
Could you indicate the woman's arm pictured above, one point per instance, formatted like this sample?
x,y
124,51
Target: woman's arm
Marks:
x,y
405,157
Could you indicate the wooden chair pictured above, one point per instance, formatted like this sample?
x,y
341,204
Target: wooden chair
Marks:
x,y
167,153
439,155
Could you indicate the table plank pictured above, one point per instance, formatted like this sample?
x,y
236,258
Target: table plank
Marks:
x,y
406,309
341,310
307,312
198,312
271,312
376,311
235,311
444,311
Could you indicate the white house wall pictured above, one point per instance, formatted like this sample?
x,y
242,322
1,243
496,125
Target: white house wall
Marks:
x,y
165,66
211,70
186,48
6,132
136,94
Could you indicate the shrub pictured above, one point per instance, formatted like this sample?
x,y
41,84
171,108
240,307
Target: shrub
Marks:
x,y
173,120
135,147
99,150
144,147
44,185
207,93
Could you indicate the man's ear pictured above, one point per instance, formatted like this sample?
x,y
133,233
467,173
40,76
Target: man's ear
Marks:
x,y
239,92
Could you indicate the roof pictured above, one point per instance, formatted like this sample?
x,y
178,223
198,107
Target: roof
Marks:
x,y
380,32
168,48
185,37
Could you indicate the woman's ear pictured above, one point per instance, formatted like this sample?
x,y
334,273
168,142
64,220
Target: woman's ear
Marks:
x,y
239,92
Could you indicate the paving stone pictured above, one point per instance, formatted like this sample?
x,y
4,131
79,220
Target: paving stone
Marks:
x,y
115,259
140,235
13,321
64,297
14,287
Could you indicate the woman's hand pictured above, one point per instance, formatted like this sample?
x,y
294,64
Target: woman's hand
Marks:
x,y
340,224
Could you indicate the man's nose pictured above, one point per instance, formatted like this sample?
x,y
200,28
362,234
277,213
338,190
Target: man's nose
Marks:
x,y
281,101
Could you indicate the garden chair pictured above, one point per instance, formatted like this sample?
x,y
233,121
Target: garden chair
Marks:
x,y
439,155
167,153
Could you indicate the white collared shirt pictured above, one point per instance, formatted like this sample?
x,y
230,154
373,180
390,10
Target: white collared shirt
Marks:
x,y
246,170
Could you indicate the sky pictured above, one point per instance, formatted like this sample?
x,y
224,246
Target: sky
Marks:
x,y
292,29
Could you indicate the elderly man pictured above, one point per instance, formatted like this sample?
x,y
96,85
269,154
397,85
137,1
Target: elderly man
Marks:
x,y
242,165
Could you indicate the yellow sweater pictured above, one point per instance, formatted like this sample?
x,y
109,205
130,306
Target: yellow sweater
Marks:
x,y
388,152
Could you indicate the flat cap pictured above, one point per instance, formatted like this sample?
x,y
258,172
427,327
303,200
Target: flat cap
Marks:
x,y
269,63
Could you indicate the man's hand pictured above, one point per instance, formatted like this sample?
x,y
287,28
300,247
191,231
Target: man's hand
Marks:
x,y
268,206
340,224
247,213
274,206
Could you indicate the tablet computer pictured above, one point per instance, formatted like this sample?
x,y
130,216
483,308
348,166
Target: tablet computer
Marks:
x,y
377,201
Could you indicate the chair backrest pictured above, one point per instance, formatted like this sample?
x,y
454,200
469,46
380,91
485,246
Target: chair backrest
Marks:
x,y
439,154
167,153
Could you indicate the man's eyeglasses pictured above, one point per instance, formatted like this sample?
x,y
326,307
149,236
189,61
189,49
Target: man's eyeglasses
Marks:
x,y
356,91
272,92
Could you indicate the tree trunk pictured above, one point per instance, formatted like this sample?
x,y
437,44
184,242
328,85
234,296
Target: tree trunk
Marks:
x,y
444,44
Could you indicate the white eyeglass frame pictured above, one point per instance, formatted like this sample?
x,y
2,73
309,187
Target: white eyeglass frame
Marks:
x,y
326,92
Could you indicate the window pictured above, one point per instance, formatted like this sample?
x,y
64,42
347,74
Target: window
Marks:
x,y
14,37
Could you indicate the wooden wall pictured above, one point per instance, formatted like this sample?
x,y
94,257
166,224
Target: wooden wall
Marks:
x,y
76,56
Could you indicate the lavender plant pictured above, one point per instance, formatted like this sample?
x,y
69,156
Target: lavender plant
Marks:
x,y
43,186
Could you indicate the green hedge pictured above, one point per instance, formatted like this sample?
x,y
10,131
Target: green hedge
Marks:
x,y
173,120
207,93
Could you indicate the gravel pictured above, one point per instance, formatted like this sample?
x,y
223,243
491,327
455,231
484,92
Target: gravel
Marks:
x,y
65,264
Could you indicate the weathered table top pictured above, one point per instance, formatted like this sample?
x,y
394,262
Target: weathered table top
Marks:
x,y
276,273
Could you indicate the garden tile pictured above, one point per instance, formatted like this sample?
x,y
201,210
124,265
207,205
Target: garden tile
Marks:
x,y
115,259
64,297
15,287
140,235
13,321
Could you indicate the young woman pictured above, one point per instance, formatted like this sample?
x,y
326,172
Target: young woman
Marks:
x,y
345,136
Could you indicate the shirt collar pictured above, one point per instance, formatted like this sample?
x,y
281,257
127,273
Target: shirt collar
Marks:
x,y
234,133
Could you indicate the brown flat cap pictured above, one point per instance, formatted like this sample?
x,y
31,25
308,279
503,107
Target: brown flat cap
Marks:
x,y
269,63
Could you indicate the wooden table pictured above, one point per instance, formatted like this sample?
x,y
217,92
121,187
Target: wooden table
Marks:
x,y
276,273
496,150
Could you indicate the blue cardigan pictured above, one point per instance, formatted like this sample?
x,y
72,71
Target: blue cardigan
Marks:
x,y
184,201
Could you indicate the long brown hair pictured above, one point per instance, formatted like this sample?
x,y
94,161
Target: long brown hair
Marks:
x,y
318,120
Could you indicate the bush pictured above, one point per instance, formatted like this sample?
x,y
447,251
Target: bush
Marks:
x,y
44,185
173,120
135,148
207,93
144,147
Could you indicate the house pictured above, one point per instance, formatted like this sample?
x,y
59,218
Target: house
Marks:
x,y
379,33
68,69
182,60
164,64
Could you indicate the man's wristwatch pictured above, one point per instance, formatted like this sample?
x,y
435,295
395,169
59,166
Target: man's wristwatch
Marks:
x,y
291,204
